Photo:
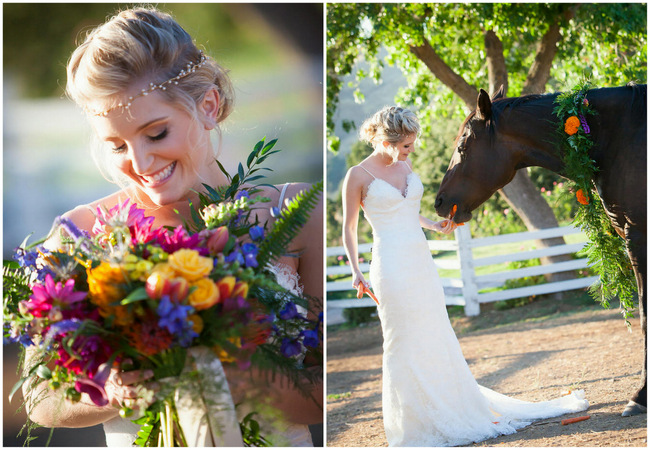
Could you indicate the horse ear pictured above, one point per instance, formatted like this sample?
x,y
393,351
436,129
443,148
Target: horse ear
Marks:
x,y
500,93
483,105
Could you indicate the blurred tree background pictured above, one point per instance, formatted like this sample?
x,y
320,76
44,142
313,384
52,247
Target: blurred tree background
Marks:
x,y
275,56
433,58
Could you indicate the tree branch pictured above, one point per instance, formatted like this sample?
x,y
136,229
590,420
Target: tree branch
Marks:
x,y
446,74
540,70
497,71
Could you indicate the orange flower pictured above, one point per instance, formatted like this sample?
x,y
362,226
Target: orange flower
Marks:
x,y
148,338
104,288
571,125
582,198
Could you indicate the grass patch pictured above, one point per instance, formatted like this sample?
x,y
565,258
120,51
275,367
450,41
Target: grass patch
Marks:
x,y
339,396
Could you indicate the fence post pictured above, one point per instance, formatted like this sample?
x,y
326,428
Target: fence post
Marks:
x,y
470,290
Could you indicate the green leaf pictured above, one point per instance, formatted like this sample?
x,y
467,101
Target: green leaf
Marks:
x,y
15,388
135,296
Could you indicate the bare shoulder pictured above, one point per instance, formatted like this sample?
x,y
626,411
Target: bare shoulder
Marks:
x,y
83,216
357,177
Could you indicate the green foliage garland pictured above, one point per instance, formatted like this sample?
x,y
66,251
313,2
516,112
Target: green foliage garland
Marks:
x,y
606,250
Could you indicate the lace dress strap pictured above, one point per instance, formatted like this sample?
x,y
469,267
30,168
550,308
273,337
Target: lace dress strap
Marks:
x,y
367,171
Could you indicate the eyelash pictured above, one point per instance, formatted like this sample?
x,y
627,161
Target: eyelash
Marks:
x,y
155,138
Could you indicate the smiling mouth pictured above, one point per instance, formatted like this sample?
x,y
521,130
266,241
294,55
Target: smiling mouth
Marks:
x,y
159,177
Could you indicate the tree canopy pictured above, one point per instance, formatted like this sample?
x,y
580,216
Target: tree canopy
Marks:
x,y
449,50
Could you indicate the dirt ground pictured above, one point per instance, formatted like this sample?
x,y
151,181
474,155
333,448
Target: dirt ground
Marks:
x,y
532,353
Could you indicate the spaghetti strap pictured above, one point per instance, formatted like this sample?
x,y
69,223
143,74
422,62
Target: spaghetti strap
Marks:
x,y
367,171
284,190
408,167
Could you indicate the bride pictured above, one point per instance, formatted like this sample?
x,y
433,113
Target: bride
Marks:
x,y
429,396
153,98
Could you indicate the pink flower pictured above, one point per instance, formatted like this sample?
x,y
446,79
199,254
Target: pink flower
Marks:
x,y
178,239
543,189
506,211
548,193
339,258
216,239
124,215
45,296
362,259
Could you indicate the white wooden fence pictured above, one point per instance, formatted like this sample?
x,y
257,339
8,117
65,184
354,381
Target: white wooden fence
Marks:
x,y
465,290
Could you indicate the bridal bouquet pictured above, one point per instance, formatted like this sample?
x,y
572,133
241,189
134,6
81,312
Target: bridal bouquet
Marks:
x,y
179,302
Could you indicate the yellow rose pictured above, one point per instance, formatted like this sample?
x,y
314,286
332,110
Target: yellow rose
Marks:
x,y
205,294
189,264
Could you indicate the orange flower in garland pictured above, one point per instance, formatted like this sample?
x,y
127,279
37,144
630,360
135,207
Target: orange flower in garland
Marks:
x,y
582,198
571,125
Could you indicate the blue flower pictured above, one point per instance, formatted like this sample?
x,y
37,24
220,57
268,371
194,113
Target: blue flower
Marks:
x,y
242,193
290,347
250,248
235,256
251,260
275,212
290,312
174,317
310,338
250,252
256,233
25,258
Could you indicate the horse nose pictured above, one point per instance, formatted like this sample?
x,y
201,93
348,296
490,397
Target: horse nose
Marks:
x,y
438,202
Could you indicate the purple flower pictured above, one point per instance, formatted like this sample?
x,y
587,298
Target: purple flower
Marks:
x,y
173,316
583,121
256,233
94,386
290,347
310,338
290,312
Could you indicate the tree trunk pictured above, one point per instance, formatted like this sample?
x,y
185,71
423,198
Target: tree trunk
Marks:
x,y
525,199
521,194
540,70
497,71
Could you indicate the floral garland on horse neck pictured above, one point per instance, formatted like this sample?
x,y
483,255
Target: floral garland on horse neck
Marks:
x,y
606,250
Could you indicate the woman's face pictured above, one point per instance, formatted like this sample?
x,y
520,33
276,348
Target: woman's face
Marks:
x,y
162,149
403,148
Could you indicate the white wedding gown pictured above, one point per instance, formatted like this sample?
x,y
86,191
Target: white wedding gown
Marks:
x,y
430,397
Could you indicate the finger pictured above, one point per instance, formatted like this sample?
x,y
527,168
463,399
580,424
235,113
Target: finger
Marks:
x,y
134,376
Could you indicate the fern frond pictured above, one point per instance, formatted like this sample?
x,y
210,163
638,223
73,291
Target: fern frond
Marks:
x,y
288,225
15,286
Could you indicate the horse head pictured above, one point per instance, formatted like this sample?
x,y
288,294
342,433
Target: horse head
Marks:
x,y
480,165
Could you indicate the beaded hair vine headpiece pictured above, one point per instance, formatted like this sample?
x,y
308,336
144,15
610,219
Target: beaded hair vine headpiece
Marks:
x,y
189,68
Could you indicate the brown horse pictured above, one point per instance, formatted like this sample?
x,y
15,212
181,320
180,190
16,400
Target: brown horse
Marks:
x,y
506,134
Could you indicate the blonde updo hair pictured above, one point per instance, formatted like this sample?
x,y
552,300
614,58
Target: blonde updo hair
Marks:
x,y
142,45
391,124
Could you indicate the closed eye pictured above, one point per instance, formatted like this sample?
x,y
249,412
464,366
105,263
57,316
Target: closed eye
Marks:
x,y
159,136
